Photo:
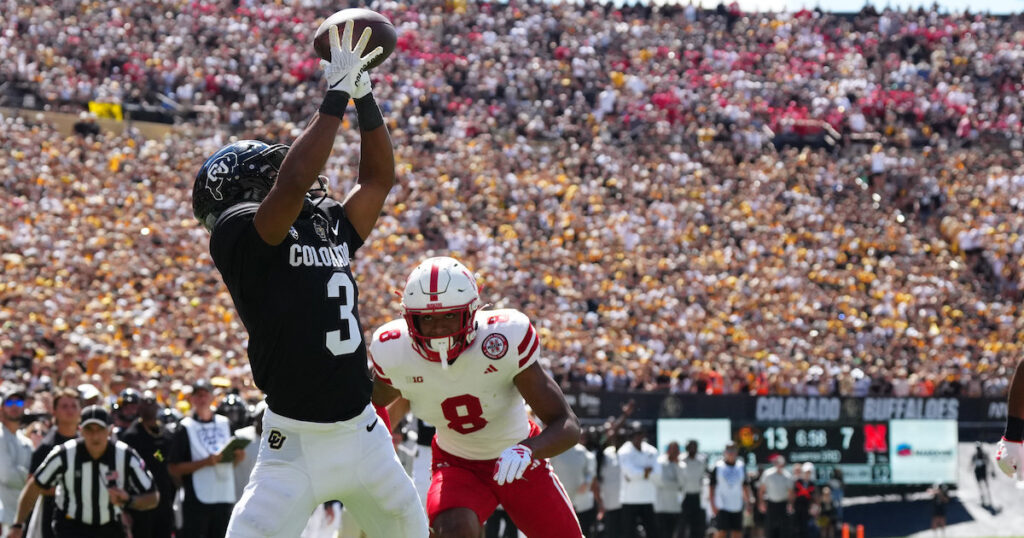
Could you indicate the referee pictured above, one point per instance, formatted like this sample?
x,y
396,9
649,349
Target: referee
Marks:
x,y
95,479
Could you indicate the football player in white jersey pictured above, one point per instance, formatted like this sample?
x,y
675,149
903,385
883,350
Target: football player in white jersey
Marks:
x,y
468,371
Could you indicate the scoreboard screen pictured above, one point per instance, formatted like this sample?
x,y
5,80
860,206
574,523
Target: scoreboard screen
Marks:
x,y
861,451
883,452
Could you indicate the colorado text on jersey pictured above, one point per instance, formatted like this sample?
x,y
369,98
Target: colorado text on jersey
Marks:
x,y
318,257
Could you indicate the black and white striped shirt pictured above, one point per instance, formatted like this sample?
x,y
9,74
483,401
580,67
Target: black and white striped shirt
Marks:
x,y
82,481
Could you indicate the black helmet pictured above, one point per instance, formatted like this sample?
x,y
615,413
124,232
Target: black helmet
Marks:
x,y
169,416
233,407
240,172
129,396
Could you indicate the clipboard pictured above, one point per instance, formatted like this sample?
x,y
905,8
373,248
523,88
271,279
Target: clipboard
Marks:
x,y
227,454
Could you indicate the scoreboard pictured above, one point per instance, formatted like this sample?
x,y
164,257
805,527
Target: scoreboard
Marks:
x,y
882,452
861,451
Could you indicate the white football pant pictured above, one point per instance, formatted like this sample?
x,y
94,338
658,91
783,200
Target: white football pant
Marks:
x,y
304,464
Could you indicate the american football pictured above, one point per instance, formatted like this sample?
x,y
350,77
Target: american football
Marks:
x,y
383,33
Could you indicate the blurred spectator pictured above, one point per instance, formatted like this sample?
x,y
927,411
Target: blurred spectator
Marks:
x,y
805,500
195,459
232,407
126,410
982,470
153,442
576,468
668,500
694,516
729,493
609,474
826,514
66,415
639,462
35,431
15,454
86,125
776,497
838,485
940,499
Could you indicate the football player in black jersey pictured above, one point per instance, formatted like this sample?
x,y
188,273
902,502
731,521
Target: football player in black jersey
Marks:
x,y
284,253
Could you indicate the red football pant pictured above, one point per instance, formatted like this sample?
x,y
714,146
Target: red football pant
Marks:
x,y
537,502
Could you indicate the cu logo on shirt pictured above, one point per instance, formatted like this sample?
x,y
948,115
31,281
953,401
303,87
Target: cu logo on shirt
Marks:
x,y
276,439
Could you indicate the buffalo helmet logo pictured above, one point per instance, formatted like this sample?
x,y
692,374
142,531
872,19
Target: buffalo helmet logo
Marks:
x,y
221,170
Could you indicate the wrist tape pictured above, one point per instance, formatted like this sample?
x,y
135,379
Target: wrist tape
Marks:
x,y
368,113
334,104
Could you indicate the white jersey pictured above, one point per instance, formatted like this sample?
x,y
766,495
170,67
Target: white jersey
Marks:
x,y
474,404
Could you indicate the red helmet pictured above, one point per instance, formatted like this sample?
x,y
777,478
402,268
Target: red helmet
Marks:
x,y
441,286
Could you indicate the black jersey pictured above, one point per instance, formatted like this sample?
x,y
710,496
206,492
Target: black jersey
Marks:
x,y
299,302
154,450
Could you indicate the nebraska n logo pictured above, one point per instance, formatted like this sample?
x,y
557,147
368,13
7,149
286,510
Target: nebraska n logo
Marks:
x,y
276,439
875,438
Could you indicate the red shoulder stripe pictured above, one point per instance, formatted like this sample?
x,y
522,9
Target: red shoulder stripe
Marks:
x,y
524,360
526,340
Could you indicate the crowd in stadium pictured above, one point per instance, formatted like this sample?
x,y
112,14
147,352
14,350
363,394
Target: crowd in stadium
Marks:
x,y
619,184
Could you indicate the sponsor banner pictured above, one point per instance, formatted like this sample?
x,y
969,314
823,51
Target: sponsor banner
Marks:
x,y
106,110
787,409
923,451
797,409
911,408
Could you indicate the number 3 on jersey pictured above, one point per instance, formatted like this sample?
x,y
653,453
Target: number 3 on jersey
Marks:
x,y
464,413
346,340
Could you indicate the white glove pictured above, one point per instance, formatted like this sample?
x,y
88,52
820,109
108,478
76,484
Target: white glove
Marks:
x,y
363,86
512,463
347,62
1009,456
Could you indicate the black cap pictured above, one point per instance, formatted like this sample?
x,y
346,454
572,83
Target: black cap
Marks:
x,y
201,384
95,414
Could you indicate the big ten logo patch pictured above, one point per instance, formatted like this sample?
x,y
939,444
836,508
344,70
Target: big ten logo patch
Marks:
x,y
276,439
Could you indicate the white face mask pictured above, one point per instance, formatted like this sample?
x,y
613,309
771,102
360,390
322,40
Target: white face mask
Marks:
x,y
441,346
